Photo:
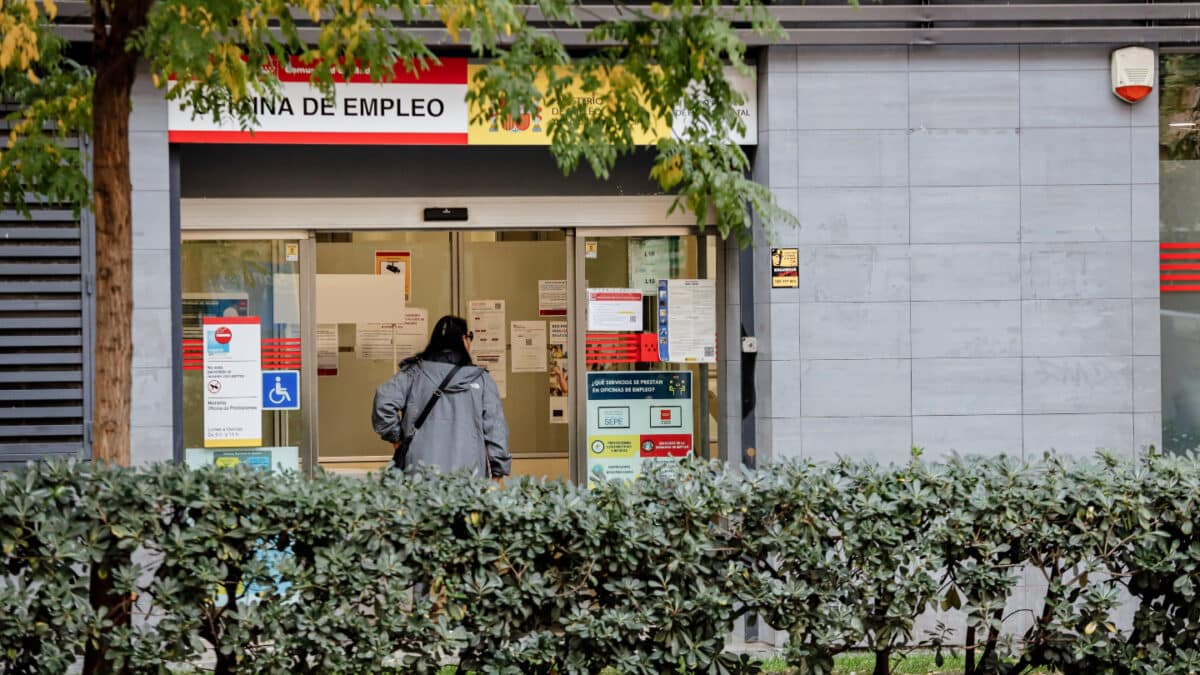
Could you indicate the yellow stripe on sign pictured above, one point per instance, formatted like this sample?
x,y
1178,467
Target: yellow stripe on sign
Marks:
x,y
234,443
529,126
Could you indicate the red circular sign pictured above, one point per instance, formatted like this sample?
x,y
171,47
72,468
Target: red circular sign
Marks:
x,y
223,335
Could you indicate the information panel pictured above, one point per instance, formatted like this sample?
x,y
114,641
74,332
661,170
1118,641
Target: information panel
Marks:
x,y
232,382
687,321
634,418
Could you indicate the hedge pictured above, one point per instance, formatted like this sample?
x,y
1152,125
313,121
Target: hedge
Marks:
x,y
145,570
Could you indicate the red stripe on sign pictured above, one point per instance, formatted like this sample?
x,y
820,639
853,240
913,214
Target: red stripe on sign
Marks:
x,y
317,138
211,320
448,71
1179,266
1177,289
1179,244
1179,256
1180,277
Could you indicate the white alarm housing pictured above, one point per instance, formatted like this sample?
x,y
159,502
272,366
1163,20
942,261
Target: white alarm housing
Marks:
x,y
1133,73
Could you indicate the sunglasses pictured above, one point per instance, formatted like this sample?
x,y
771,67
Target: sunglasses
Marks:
x,y
471,335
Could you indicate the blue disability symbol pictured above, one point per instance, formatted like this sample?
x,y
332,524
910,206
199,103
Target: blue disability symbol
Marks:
x,y
281,390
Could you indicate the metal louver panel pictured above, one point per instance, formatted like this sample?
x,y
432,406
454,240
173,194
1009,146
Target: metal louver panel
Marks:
x,y
46,277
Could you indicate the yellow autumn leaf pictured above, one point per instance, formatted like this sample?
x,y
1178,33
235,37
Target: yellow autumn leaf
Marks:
x,y
668,174
452,19
51,9
1090,628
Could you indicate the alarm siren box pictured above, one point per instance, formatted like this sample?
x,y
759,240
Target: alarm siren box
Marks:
x,y
1133,73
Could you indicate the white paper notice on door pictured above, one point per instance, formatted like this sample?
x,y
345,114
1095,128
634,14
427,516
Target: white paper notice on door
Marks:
x,y
489,348
232,382
528,346
614,309
552,297
327,349
687,321
393,341
497,367
373,341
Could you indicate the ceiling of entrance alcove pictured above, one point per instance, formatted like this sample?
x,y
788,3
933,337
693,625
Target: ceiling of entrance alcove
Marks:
x,y
269,171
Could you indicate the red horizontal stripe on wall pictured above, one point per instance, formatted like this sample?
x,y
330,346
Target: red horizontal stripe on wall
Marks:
x,y
1177,289
317,138
1179,244
1179,256
1180,277
1179,266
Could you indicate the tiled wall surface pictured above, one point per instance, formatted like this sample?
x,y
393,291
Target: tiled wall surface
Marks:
x,y
152,423
978,246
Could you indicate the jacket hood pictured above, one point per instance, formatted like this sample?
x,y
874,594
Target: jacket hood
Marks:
x,y
466,378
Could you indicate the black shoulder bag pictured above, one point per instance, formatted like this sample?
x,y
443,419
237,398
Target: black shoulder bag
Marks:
x,y
400,458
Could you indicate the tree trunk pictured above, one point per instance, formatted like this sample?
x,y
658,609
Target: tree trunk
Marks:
x,y
969,655
883,662
116,69
117,610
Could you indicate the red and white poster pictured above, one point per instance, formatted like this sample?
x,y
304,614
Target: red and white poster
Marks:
x,y
232,382
614,309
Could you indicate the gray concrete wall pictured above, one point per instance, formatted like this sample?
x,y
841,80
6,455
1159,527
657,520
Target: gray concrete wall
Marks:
x,y
152,423
978,249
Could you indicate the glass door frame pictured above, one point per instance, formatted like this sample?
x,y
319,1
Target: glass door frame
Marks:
x,y
308,328
577,282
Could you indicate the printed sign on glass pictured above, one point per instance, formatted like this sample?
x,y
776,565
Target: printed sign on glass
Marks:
x,y
636,417
232,381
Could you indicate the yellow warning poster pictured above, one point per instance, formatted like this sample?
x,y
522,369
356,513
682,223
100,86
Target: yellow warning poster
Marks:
x,y
396,262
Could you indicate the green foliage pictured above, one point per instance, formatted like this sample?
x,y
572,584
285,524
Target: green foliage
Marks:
x,y
649,69
47,97
409,573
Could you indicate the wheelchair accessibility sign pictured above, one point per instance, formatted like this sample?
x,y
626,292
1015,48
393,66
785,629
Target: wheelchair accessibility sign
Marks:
x,y
281,390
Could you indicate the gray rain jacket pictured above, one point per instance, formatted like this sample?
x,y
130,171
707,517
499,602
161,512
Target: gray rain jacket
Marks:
x,y
463,428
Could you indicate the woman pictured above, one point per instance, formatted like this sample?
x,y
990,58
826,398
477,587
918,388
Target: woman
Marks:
x,y
464,427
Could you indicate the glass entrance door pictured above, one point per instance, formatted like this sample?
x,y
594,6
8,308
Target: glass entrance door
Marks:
x,y
649,337
379,293
241,311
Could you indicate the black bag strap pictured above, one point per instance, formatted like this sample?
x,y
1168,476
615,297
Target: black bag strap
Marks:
x,y
437,396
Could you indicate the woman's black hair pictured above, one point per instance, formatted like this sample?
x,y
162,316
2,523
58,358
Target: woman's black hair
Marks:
x,y
446,343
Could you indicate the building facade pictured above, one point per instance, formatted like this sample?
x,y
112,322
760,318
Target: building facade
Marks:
x,y
977,269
